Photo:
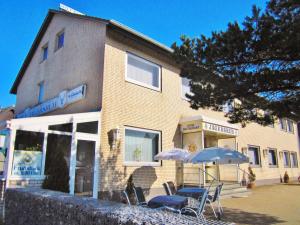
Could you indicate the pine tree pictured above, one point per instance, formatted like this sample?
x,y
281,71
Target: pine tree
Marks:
x,y
256,63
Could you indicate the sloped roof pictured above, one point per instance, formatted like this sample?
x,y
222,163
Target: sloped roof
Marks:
x,y
111,23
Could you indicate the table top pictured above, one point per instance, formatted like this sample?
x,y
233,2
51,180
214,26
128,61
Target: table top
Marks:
x,y
172,201
191,192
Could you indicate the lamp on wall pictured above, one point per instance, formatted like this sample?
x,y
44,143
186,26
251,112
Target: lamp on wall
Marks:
x,y
245,151
114,137
265,151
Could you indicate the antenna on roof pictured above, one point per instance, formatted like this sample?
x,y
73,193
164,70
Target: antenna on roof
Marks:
x,y
69,9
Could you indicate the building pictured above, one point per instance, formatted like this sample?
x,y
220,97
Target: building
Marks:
x,y
109,98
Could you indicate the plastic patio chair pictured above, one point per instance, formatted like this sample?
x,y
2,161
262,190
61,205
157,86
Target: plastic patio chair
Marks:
x,y
170,188
198,211
140,197
167,189
216,198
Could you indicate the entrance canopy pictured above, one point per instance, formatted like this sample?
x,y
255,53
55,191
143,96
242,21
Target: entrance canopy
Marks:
x,y
220,128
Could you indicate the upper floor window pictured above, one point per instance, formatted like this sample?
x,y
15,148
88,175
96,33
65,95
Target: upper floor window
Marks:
x,y
253,153
290,126
60,39
282,124
294,160
45,52
143,72
286,159
41,92
185,87
272,157
141,145
287,125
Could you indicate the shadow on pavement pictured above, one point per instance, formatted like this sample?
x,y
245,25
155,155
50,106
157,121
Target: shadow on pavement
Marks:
x,y
242,217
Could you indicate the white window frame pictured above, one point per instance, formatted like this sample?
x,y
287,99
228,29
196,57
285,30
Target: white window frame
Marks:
x,y
133,163
276,158
147,62
259,156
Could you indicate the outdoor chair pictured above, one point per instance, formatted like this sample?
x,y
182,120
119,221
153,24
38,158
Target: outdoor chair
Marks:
x,y
199,210
125,195
140,197
170,188
216,198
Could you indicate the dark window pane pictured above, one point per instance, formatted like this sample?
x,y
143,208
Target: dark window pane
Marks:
x,y
66,127
60,40
45,53
57,162
29,141
88,127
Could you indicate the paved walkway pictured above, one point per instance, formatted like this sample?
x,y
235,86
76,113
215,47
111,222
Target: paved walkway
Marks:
x,y
274,204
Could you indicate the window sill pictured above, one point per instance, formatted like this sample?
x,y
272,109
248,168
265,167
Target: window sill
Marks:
x,y
138,164
273,166
40,177
255,166
143,85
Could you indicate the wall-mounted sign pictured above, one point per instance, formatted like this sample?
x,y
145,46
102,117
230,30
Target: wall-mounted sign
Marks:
x,y
219,128
27,163
63,99
191,126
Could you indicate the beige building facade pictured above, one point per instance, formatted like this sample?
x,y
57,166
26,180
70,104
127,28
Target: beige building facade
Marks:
x,y
133,84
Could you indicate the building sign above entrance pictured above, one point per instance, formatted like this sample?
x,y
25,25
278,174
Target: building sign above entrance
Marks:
x,y
219,128
191,126
62,100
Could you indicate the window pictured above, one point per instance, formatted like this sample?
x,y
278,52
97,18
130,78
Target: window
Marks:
x,y
65,127
27,156
286,159
253,153
141,146
143,72
185,87
272,157
290,126
44,52
60,39
41,92
88,127
282,124
294,160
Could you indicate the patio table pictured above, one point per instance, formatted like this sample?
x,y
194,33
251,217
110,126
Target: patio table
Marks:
x,y
191,192
175,202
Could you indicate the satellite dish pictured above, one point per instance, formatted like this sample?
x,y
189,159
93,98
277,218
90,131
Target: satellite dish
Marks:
x,y
69,9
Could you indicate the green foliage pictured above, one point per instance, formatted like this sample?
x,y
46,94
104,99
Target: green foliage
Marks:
x,y
257,63
252,176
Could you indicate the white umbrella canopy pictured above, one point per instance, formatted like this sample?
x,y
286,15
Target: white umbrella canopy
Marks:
x,y
176,154
218,155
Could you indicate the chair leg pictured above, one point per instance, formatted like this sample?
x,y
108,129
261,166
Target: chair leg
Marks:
x,y
212,207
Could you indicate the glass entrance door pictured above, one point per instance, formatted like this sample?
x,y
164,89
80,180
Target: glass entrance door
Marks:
x,y
84,171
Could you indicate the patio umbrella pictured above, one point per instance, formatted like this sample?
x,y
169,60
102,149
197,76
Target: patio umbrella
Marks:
x,y
218,155
176,154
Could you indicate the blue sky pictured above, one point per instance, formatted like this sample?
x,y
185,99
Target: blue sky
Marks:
x,y
162,20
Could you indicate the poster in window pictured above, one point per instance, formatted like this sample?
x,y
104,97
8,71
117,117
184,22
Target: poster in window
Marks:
x,y
27,163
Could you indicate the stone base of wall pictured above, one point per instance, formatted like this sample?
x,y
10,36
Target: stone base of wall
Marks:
x,y
43,207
